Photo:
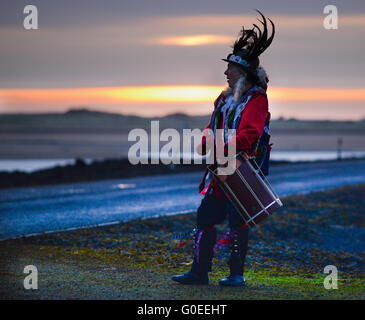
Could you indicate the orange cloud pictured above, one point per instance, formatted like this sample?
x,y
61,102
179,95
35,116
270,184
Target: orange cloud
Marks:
x,y
195,40
227,21
315,94
110,95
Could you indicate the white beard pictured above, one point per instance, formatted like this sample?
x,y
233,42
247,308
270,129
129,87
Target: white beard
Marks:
x,y
239,88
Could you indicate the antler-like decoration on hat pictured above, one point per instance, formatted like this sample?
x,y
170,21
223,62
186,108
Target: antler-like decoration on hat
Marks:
x,y
247,37
256,42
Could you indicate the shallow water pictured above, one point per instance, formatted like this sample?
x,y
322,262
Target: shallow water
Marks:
x,y
31,165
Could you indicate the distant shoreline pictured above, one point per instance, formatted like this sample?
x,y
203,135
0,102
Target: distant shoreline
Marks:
x,y
97,135
30,165
83,134
81,171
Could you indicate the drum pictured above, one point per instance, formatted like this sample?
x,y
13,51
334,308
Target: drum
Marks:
x,y
249,191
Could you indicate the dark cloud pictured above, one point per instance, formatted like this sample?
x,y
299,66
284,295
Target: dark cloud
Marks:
x,y
67,13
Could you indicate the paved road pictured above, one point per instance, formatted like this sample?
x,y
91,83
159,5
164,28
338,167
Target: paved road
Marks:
x,y
25,211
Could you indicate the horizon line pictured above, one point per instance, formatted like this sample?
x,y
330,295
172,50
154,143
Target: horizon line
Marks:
x,y
167,94
86,109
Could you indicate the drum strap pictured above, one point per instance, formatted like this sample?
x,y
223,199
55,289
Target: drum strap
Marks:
x,y
203,190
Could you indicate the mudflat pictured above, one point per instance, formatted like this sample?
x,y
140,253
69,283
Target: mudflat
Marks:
x,y
102,144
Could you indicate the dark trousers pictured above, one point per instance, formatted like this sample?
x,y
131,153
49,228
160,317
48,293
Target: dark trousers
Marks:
x,y
214,210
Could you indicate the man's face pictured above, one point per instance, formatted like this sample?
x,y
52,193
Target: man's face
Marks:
x,y
232,74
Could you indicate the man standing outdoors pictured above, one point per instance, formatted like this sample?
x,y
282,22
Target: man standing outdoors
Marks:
x,y
243,106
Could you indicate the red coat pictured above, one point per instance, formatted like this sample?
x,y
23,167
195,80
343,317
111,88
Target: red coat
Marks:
x,y
251,124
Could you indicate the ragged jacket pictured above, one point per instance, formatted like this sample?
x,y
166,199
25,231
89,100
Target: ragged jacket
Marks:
x,y
250,127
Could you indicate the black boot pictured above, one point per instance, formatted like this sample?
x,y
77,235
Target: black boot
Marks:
x,y
204,242
192,278
233,281
236,261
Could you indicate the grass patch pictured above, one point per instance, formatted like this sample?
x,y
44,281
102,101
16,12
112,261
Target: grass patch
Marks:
x,y
135,260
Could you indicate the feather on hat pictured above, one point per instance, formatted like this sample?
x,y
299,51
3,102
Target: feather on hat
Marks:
x,y
250,45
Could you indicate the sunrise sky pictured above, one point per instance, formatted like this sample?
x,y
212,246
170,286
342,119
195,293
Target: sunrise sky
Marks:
x,y
160,57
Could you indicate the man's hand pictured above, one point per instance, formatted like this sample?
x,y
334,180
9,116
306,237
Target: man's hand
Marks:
x,y
244,156
203,148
